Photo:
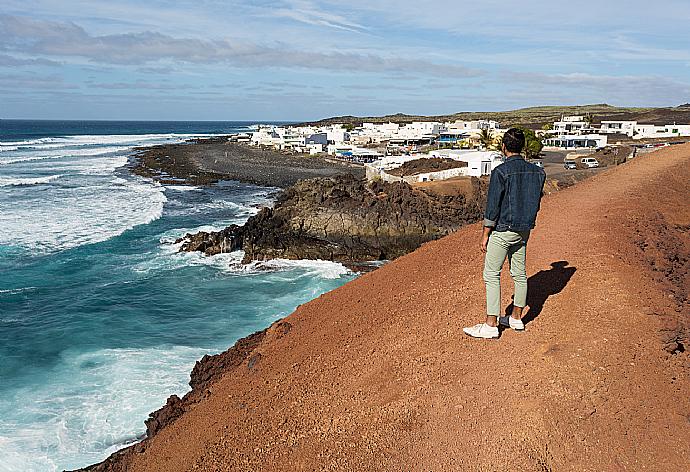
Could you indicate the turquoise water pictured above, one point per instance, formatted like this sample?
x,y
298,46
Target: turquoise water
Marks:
x,y
100,319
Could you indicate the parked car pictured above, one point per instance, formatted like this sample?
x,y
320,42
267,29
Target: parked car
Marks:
x,y
538,163
590,162
570,165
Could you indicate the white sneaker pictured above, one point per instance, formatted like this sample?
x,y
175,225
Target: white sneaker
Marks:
x,y
482,330
511,322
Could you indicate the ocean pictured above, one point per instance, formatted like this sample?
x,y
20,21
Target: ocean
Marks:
x,y
100,318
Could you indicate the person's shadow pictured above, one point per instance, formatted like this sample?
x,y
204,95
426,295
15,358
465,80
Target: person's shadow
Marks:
x,y
542,285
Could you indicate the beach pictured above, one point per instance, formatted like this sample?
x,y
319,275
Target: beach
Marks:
x,y
204,161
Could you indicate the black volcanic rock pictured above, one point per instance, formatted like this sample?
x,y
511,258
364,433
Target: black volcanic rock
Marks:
x,y
347,220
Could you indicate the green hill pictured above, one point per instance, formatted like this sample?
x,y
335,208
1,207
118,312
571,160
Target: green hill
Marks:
x,y
535,117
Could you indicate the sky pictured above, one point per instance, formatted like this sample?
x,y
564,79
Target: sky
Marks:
x,y
310,59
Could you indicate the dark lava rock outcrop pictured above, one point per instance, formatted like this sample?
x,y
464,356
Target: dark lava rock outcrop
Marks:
x,y
345,219
419,166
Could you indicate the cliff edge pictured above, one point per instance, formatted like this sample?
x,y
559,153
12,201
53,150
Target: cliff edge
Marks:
x,y
377,374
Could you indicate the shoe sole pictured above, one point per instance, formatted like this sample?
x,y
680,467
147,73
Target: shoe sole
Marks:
x,y
480,337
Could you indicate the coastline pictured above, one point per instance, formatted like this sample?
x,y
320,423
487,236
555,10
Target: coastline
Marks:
x,y
244,380
206,161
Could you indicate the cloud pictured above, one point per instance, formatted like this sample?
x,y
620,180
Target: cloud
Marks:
x,y
20,82
11,61
307,12
155,70
64,40
651,89
379,87
140,85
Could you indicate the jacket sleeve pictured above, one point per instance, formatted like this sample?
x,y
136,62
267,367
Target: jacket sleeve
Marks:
x,y
493,200
542,179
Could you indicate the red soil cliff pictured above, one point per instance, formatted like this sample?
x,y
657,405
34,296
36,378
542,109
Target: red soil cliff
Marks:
x,y
378,375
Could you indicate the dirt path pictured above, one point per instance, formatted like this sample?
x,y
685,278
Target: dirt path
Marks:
x,y
377,375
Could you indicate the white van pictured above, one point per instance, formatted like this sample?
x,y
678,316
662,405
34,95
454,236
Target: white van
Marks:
x,y
590,162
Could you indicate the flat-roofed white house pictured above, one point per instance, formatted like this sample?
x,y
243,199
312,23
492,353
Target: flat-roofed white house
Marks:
x,y
339,149
337,134
478,162
637,130
666,131
418,132
453,136
621,127
290,139
575,141
265,136
570,125
473,125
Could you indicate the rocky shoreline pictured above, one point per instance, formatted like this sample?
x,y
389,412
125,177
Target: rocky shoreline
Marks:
x,y
373,375
340,218
326,209
346,220
206,161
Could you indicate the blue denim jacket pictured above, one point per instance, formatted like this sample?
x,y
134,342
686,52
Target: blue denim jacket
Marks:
x,y
515,191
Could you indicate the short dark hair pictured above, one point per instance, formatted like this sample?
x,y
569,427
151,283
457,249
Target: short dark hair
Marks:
x,y
514,140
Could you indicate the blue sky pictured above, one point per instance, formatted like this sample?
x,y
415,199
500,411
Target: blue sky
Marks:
x,y
304,59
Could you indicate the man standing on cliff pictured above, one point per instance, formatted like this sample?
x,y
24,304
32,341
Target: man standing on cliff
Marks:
x,y
515,191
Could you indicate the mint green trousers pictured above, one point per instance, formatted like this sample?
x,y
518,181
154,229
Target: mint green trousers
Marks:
x,y
502,245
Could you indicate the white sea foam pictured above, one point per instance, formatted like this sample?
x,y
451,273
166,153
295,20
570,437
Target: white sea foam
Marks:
x,y
9,161
241,211
71,216
98,139
181,188
103,166
169,237
311,268
61,153
91,205
169,258
8,181
13,291
64,424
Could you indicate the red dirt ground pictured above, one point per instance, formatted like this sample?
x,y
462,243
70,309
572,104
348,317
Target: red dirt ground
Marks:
x,y
378,375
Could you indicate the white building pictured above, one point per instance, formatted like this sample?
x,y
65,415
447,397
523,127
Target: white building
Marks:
x,y
471,126
621,127
393,162
570,125
637,130
339,149
478,162
265,136
666,131
575,141
336,134
418,132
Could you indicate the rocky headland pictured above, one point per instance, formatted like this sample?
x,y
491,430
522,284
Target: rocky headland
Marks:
x,y
346,219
